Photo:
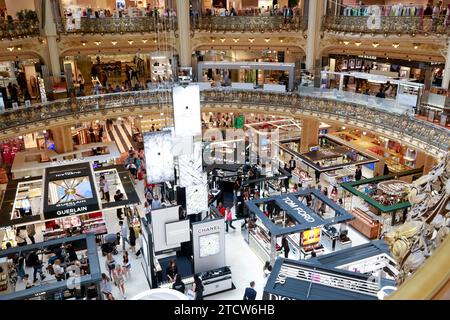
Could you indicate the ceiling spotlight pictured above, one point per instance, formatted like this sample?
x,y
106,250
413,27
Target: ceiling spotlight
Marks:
x,y
396,45
161,114
97,121
409,60
20,137
251,40
358,43
235,40
267,40
19,48
97,43
144,40
83,44
346,42
114,43
130,42
44,131
281,40
222,39
343,128
416,46
119,118
375,44
364,133
155,41
140,116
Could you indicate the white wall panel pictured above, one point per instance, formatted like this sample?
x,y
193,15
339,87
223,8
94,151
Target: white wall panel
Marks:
x,y
159,156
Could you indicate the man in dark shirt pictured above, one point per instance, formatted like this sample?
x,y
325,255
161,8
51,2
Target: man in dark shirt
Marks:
x,y
250,293
292,164
381,94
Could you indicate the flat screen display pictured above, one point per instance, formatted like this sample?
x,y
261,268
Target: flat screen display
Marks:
x,y
69,190
310,237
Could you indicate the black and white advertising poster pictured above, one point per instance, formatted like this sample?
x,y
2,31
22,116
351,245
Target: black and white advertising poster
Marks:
x,y
69,190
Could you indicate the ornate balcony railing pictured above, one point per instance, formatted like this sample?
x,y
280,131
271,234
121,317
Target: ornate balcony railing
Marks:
x,y
387,25
402,126
248,24
19,29
122,25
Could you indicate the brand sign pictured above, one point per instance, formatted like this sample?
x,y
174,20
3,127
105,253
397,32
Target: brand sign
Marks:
x,y
208,229
69,190
299,210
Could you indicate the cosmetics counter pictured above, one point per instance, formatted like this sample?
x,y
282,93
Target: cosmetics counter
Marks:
x,y
381,202
285,215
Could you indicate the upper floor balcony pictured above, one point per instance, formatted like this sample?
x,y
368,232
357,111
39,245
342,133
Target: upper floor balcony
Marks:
x,y
121,25
261,24
386,25
13,29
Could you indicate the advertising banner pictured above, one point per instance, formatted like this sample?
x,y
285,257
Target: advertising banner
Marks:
x,y
69,190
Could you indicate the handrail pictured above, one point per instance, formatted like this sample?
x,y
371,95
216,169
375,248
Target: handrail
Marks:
x,y
122,25
17,28
411,129
387,25
249,23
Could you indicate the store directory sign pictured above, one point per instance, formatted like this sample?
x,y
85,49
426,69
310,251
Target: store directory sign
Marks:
x,y
69,190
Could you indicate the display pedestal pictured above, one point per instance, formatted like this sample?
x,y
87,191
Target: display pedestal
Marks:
x,y
217,280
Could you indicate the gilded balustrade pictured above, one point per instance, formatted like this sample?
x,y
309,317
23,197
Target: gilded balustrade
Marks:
x,y
387,25
248,24
124,25
404,126
19,29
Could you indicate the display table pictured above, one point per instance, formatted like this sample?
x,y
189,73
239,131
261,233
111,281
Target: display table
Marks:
x,y
368,226
331,237
217,280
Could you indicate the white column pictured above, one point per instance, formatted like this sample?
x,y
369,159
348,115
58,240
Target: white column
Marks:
x,y
446,79
314,18
50,33
184,28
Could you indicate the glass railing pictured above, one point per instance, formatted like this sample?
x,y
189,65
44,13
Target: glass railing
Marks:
x,y
19,29
389,105
419,133
385,25
248,24
121,25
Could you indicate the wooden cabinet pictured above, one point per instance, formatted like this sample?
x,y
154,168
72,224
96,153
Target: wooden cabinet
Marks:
x,y
365,224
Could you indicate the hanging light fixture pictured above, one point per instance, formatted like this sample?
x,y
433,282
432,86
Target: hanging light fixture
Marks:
x,y
83,43
346,42
97,43
251,40
236,40
358,43
114,43
144,40
375,44
267,40
396,45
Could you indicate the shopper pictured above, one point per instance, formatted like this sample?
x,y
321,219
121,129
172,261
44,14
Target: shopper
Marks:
x,y
126,265
266,268
292,164
58,270
285,246
156,204
132,238
119,197
91,135
381,93
119,280
386,170
31,231
171,271
221,209
334,194
317,173
147,207
198,288
229,219
179,284
33,261
110,264
250,292
105,187
21,240
358,173
124,234
106,287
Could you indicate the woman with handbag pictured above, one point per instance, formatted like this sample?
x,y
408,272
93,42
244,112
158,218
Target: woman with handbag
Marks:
x,y
119,280
106,288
